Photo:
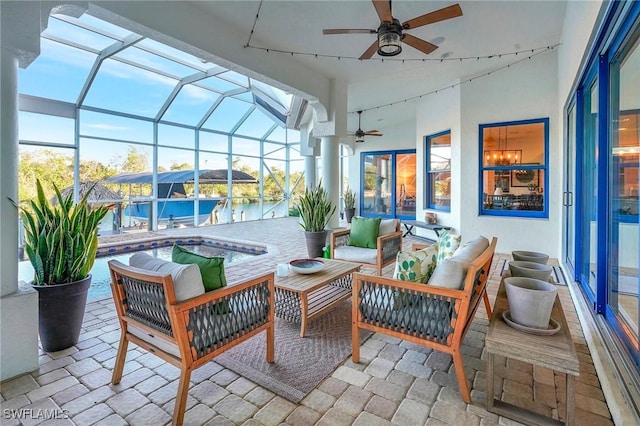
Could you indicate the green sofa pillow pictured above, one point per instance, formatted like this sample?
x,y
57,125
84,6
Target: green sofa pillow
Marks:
x,y
211,268
364,232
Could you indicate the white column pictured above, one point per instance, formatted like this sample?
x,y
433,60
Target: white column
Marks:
x,y
18,306
331,173
8,171
310,171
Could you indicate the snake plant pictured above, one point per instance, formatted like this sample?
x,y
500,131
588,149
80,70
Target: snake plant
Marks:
x,y
61,240
349,198
315,208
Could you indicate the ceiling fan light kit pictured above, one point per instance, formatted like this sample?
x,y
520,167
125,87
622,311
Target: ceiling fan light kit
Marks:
x,y
390,38
391,33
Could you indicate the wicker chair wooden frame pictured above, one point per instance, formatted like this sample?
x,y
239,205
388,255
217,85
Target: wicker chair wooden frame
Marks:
x,y
431,316
387,246
190,333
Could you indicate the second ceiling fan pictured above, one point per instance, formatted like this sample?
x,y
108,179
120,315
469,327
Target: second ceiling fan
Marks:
x,y
391,33
360,134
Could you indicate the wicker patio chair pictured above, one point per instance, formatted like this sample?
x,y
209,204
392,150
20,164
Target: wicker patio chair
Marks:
x,y
190,333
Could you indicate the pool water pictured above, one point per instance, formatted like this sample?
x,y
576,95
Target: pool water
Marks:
x,y
101,281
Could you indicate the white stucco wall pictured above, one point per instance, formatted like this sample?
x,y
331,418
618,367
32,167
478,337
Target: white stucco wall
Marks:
x,y
436,113
527,90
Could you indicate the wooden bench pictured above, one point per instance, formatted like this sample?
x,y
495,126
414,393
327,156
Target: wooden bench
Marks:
x,y
431,316
190,333
410,224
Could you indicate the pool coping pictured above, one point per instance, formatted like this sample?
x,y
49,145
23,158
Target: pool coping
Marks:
x,y
131,246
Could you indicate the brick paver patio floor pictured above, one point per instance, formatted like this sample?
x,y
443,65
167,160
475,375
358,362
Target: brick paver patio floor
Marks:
x,y
395,383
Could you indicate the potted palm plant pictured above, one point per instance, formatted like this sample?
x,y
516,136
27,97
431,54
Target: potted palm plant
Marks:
x,y
315,209
349,198
61,242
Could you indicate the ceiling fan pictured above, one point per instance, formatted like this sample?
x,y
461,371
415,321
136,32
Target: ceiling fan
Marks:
x,y
360,134
391,32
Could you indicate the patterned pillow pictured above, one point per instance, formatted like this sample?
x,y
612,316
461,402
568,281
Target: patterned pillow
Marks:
x,y
447,245
416,266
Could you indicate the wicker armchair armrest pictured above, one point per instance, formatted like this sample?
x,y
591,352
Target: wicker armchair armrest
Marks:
x,y
339,238
389,245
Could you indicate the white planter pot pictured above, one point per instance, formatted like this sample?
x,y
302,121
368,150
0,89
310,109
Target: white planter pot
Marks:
x,y
530,301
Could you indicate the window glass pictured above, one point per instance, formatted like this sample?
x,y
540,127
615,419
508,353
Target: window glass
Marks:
x,y
176,136
46,128
406,184
50,165
210,141
68,66
513,165
227,115
129,89
115,127
190,105
377,189
623,264
438,176
256,125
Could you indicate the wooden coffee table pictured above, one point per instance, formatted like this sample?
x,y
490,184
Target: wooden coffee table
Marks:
x,y
300,298
555,352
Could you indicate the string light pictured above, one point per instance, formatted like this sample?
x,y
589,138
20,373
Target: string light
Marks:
x,y
413,98
405,60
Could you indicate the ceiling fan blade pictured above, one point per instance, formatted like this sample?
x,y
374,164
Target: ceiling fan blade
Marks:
x,y
370,51
417,43
383,8
372,134
431,17
371,131
347,31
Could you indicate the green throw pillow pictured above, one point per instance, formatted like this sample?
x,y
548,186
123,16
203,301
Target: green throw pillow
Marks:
x,y
211,268
416,266
447,245
364,232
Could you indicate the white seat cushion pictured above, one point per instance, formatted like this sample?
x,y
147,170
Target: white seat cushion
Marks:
x,y
187,281
356,254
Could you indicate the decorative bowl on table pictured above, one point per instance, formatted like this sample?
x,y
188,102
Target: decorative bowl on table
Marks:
x,y
306,266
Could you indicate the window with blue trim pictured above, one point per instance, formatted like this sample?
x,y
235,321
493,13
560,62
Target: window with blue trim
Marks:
x,y
514,159
438,171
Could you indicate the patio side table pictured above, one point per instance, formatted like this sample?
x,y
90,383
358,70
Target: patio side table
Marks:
x,y
555,352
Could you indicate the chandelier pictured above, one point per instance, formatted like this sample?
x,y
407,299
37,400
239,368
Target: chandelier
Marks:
x,y
502,156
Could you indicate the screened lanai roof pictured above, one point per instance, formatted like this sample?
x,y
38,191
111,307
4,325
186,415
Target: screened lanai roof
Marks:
x,y
97,66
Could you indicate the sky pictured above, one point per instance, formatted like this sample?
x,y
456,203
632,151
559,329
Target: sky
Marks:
x,y
125,83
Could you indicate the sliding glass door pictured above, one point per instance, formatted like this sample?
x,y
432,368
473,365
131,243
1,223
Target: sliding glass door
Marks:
x,y
624,185
388,184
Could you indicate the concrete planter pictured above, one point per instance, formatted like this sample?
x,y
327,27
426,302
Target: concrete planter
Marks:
x,y
520,268
530,301
530,256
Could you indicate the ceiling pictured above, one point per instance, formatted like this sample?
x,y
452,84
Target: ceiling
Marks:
x,y
486,28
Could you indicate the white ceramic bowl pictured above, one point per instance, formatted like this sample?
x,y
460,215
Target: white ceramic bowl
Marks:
x,y
306,266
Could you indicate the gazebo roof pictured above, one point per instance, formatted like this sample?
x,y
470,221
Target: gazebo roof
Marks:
x,y
100,194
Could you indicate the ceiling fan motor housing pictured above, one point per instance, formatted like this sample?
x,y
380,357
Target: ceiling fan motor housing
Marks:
x,y
389,38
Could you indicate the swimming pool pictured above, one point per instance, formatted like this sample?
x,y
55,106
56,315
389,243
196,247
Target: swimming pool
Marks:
x,y
161,248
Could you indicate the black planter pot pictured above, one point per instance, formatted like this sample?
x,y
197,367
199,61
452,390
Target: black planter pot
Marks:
x,y
315,242
60,315
349,213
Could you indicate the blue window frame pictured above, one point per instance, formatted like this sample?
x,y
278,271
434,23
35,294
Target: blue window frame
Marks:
x,y
388,184
438,171
514,178
608,150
